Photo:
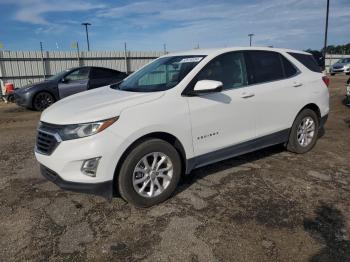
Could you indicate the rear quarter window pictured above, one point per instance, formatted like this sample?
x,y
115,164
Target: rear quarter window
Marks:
x,y
307,60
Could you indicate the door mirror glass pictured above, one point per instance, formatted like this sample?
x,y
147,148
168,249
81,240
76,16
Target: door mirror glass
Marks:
x,y
208,86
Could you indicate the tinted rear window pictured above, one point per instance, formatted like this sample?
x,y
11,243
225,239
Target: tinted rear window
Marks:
x,y
103,73
308,61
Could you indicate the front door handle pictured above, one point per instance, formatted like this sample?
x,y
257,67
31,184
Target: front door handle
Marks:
x,y
247,95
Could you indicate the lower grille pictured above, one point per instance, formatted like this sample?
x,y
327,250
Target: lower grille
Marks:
x,y
46,143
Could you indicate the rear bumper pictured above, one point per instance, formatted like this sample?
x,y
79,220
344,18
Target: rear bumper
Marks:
x,y
104,189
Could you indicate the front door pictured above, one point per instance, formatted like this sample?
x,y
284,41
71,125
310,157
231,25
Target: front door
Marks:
x,y
75,82
227,118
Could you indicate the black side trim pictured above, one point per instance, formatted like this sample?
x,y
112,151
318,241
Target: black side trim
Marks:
x,y
104,189
323,121
236,150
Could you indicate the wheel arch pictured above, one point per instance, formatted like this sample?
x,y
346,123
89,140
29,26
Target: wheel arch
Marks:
x,y
171,139
313,107
42,91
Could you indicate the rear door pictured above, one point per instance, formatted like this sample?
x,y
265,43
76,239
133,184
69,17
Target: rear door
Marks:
x,y
75,82
278,92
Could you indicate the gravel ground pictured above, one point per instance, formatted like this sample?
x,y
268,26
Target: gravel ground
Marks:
x,y
270,205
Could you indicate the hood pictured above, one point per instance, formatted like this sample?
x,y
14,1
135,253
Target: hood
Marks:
x,y
33,86
94,105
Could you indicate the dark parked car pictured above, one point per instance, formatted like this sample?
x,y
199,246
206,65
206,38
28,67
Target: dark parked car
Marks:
x,y
40,95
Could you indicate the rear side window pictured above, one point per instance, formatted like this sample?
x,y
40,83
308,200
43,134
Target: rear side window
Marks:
x,y
307,60
98,73
266,66
289,68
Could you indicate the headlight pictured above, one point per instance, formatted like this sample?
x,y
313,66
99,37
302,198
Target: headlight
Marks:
x,y
69,132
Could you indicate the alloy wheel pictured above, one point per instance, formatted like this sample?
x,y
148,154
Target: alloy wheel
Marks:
x,y
152,174
306,131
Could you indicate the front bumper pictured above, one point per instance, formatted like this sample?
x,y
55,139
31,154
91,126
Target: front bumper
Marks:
x,y
340,70
104,189
63,165
23,99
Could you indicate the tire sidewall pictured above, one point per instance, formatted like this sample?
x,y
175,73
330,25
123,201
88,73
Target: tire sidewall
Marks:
x,y
36,97
125,176
293,135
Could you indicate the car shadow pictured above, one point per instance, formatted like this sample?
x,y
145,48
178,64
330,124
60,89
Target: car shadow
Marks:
x,y
215,168
328,227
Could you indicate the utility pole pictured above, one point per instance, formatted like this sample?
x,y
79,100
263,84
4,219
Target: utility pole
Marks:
x,y
325,36
164,48
87,34
250,39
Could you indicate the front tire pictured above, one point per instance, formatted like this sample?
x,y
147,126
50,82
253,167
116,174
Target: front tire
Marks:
x,y
304,132
149,173
42,101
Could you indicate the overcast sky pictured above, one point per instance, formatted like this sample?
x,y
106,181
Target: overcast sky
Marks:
x,y
180,24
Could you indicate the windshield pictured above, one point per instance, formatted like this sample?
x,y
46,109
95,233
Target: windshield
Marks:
x,y
58,76
162,74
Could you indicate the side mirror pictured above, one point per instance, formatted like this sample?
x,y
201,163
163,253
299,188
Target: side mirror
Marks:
x,y
207,86
64,80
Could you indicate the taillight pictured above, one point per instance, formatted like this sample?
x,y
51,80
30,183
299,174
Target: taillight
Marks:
x,y
326,80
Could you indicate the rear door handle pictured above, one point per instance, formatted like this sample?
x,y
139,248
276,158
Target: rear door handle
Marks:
x,y
297,84
247,95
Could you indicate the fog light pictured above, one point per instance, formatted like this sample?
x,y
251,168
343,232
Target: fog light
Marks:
x,y
89,166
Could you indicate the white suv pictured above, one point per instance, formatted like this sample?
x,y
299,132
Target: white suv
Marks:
x,y
178,113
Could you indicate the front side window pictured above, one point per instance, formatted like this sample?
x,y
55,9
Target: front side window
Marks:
x,y
79,74
266,66
160,75
230,69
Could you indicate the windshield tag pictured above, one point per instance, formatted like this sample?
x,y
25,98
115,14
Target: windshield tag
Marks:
x,y
191,60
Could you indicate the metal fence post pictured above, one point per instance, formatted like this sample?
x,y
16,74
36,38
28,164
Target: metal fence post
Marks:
x,y
42,60
78,53
1,73
126,58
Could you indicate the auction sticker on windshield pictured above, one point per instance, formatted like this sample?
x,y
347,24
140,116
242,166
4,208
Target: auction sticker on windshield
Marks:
x,y
191,60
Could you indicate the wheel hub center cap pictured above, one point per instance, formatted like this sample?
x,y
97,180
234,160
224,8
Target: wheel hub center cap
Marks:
x,y
153,175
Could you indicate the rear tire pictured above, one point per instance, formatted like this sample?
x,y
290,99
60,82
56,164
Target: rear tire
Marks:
x,y
150,173
304,132
42,100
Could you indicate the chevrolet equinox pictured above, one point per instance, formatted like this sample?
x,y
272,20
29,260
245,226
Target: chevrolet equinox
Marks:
x,y
180,112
